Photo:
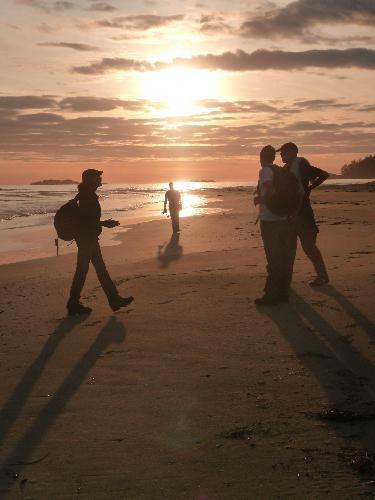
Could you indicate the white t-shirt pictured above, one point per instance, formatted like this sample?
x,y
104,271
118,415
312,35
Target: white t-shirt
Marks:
x,y
294,168
265,214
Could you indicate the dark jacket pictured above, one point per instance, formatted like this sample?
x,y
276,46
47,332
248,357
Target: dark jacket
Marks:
x,y
308,174
90,214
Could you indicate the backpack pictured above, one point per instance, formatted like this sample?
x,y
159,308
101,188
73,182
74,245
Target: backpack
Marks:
x,y
286,199
66,220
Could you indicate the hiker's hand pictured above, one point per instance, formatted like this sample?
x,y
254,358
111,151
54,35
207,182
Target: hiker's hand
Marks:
x,y
256,200
110,223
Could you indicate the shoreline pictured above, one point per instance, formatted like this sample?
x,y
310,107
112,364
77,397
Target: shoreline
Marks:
x,y
39,239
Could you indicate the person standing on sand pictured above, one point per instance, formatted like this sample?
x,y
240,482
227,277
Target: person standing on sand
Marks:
x,y
173,197
87,240
278,235
308,177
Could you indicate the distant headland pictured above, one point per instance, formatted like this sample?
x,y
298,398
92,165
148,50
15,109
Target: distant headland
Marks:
x,y
202,180
53,182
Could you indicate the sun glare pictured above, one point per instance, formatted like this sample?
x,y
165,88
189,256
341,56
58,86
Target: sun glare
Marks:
x,y
178,89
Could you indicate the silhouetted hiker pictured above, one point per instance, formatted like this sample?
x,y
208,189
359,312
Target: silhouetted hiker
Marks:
x,y
87,239
278,235
173,197
308,177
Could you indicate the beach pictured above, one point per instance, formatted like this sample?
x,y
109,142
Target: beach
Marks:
x,y
194,392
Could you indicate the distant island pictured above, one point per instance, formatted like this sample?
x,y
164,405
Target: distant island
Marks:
x,y
53,182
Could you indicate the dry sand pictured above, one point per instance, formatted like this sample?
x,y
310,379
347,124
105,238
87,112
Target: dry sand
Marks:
x,y
193,392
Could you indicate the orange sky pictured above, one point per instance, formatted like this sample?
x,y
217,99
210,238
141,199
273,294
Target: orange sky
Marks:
x,y
154,90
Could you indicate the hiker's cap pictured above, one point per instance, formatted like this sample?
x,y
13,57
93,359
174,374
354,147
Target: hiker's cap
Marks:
x,y
288,146
268,150
90,173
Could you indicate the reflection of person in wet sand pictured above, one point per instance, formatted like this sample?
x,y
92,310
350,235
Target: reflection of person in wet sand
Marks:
x,y
170,251
173,197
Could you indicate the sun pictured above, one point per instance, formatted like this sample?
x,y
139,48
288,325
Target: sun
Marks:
x,y
179,89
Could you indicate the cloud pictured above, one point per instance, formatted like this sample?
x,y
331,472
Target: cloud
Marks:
x,y
241,106
47,7
26,102
116,64
56,136
101,7
214,23
294,19
320,103
134,23
84,104
259,60
82,47
367,109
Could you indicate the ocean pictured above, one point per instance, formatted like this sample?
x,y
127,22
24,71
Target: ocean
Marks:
x,y
27,208
35,205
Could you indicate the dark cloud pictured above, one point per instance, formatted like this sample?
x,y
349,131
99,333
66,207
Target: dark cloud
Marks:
x,y
41,118
213,23
47,7
53,133
295,18
54,136
135,23
318,125
321,103
367,109
235,107
101,7
84,104
243,61
26,102
116,64
82,47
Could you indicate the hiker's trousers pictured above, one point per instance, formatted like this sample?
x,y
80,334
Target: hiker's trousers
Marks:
x,y
280,244
89,251
307,233
175,218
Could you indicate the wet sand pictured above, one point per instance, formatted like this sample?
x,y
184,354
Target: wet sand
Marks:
x,y
193,392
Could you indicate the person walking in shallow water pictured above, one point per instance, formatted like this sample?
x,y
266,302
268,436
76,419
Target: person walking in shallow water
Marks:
x,y
87,240
308,177
173,198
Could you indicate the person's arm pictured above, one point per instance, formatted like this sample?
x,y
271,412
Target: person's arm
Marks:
x,y
319,179
315,175
165,204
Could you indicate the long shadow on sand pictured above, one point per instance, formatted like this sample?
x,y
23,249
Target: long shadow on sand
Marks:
x,y
13,407
358,317
171,251
347,377
113,332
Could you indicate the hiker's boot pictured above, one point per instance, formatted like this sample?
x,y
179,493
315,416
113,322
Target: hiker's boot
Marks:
x,y
120,302
267,301
319,281
77,309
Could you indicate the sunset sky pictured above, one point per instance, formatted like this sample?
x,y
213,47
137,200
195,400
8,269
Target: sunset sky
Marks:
x,y
154,90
